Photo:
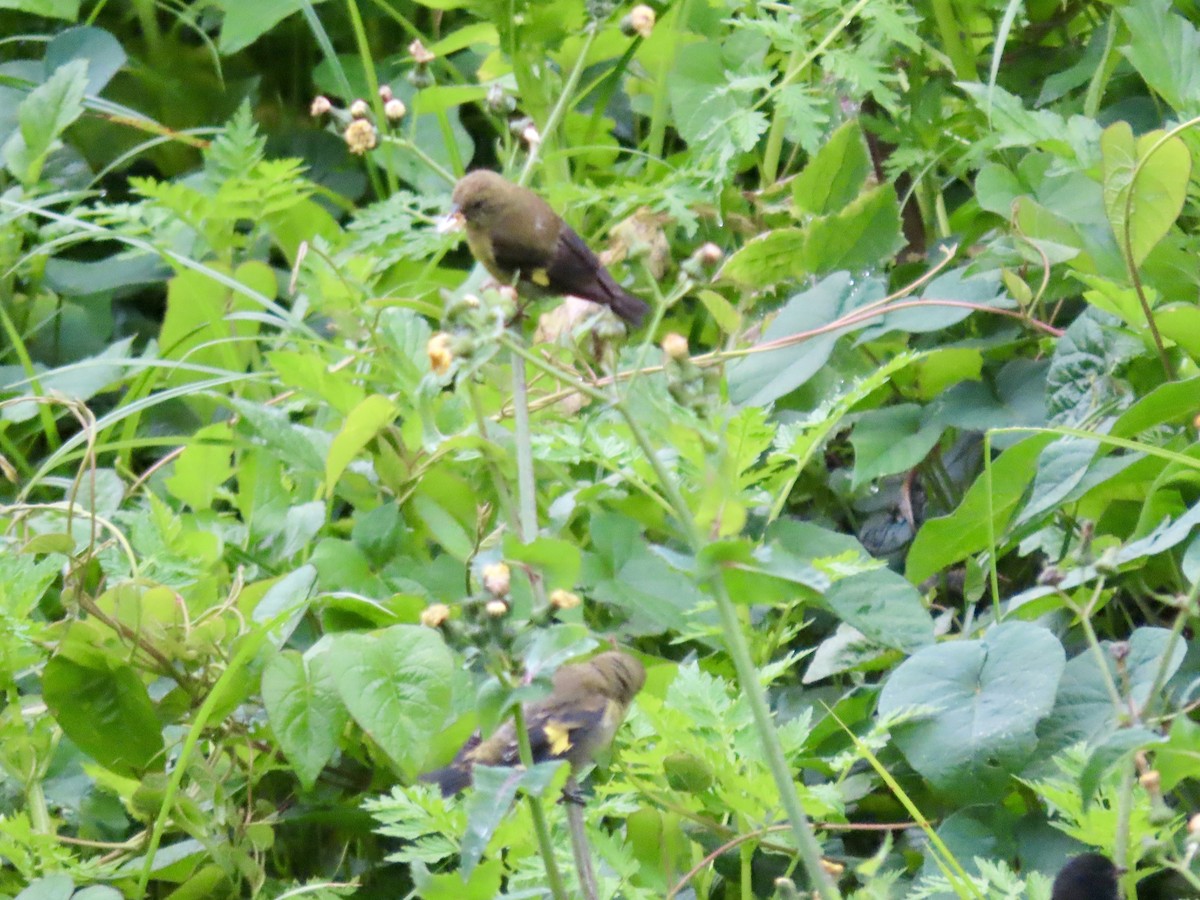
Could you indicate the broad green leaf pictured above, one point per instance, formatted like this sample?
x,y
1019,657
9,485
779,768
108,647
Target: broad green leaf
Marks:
x,y
51,9
1179,758
865,233
767,259
310,373
890,440
1180,322
983,701
43,116
244,23
361,426
107,713
1164,47
1061,466
102,52
485,882
305,711
1145,184
946,540
205,464
835,175
558,560
884,607
396,684
53,887
764,377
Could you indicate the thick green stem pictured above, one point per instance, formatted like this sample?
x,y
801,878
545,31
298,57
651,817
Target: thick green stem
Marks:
x,y
553,877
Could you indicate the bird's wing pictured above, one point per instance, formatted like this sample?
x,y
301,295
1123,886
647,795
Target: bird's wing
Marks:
x,y
576,270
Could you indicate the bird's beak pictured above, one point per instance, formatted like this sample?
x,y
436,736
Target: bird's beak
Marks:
x,y
451,221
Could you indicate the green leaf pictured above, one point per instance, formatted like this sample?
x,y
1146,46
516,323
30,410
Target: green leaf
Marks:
x,y
835,175
52,887
764,377
943,541
495,788
107,713
396,684
100,50
765,260
1179,758
361,426
305,711
43,116
556,559
244,23
890,440
205,464
986,698
883,607
1164,47
865,233
51,9
1143,190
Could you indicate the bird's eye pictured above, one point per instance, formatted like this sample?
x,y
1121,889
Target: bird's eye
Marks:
x,y
474,207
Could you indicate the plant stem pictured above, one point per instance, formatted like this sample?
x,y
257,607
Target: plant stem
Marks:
x,y
537,813
579,846
739,649
560,108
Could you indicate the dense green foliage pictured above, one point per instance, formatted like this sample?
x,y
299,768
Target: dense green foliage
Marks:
x,y
897,496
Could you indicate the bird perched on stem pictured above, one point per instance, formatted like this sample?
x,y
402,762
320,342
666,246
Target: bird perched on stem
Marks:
x,y
578,719
1089,876
514,233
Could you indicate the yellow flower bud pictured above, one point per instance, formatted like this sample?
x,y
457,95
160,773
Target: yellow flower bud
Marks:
x,y
434,615
496,608
359,136
561,599
675,346
440,355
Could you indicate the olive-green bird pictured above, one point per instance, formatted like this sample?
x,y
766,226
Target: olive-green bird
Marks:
x,y
513,232
578,719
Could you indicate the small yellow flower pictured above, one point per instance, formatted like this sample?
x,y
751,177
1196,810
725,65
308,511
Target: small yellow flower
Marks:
x,y
320,106
359,136
496,608
434,615
675,345
561,599
496,578
440,355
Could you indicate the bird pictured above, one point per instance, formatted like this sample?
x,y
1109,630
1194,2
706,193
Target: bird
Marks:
x,y
1089,876
515,234
579,718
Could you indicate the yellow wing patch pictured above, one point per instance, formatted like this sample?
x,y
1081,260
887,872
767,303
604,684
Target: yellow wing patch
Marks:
x,y
559,737
540,277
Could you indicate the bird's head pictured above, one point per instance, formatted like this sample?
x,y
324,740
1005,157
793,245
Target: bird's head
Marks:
x,y
621,674
484,200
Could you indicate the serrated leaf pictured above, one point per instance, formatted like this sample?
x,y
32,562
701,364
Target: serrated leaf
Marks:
x,y
835,175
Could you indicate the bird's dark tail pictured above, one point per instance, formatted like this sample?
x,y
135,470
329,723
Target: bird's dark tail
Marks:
x,y
630,308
